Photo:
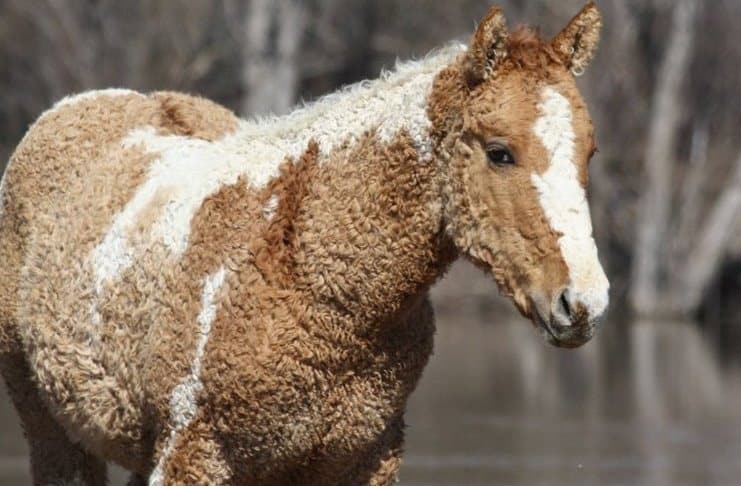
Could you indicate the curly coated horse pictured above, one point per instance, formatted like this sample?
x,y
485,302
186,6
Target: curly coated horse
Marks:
x,y
208,300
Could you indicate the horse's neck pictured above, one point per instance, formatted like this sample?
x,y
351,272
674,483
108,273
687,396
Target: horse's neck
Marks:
x,y
369,233
395,101
367,227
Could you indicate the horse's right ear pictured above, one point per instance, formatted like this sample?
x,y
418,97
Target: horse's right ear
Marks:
x,y
577,42
488,46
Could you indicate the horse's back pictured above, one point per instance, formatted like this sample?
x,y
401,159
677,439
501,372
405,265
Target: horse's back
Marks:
x,y
70,176
67,180
78,141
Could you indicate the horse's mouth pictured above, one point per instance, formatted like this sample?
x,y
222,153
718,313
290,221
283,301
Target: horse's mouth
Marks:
x,y
545,329
562,336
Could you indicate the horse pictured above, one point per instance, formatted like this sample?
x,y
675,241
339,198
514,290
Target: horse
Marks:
x,y
203,299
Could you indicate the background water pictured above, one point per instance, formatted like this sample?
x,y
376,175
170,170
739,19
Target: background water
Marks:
x,y
658,411
650,403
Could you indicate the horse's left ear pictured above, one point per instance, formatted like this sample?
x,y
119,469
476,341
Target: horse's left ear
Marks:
x,y
488,46
577,42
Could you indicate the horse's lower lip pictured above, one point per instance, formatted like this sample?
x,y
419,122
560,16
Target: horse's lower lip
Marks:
x,y
571,336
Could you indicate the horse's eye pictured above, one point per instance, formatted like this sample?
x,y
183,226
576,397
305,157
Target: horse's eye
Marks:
x,y
499,155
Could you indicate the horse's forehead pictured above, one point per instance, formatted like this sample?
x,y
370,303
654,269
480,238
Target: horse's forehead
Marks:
x,y
542,118
518,95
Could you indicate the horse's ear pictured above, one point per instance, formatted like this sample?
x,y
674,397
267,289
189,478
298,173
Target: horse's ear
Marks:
x,y
577,42
488,46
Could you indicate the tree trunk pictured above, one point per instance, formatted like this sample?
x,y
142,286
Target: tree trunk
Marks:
x,y
654,211
273,30
690,199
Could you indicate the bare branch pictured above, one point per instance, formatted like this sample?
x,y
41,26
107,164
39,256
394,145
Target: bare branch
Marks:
x,y
690,198
708,253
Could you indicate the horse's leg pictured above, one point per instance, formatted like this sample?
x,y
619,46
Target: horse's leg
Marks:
x,y
379,465
193,457
55,460
387,471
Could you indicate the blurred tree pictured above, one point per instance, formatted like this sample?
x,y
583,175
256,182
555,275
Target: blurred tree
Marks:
x,y
273,31
673,281
654,210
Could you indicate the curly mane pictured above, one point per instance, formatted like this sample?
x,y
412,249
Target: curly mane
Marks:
x,y
527,49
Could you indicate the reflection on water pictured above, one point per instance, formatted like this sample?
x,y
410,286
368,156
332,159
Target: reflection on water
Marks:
x,y
647,403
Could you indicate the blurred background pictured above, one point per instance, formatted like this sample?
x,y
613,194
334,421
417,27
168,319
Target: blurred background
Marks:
x,y
654,399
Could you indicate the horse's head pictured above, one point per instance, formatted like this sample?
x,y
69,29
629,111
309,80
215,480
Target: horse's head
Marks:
x,y
518,155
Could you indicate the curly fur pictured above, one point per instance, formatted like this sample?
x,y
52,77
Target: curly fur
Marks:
x,y
209,300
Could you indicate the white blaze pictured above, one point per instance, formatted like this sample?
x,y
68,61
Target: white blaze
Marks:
x,y
183,406
564,202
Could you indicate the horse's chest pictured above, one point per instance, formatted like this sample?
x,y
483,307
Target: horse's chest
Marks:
x,y
313,399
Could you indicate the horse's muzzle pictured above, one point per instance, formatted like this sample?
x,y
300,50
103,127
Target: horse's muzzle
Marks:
x,y
563,321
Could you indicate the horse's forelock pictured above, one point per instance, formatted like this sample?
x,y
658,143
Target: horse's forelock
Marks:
x,y
527,49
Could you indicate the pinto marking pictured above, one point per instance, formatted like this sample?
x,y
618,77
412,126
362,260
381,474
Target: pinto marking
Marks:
x,y
192,169
564,203
397,100
183,406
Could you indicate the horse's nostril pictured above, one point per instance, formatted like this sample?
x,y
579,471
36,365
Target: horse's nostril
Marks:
x,y
565,306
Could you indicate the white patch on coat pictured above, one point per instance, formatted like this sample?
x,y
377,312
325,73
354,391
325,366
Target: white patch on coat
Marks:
x,y
564,202
191,169
270,207
395,101
183,401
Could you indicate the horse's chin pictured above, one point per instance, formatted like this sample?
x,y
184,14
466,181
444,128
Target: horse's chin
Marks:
x,y
562,336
